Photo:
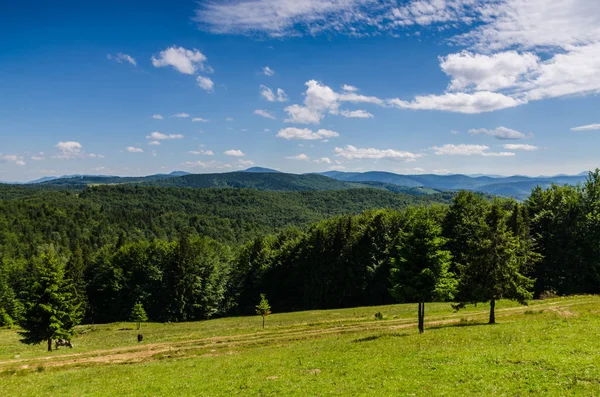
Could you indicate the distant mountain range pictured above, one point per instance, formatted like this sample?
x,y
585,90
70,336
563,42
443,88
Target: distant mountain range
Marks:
x,y
268,179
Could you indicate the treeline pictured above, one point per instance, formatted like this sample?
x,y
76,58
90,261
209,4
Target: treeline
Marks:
x,y
472,250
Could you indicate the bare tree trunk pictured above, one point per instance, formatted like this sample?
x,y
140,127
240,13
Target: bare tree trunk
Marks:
x,y
492,311
263,322
421,316
49,345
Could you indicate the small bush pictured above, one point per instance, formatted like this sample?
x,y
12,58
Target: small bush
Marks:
x,y
550,294
5,319
378,316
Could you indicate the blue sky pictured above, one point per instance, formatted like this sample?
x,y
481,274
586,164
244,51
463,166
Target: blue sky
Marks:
x,y
424,86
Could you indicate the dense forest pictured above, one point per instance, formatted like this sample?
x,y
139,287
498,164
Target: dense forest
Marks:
x,y
188,254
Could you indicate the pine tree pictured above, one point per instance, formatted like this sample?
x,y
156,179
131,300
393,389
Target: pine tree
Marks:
x,y
263,308
138,315
420,267
51,310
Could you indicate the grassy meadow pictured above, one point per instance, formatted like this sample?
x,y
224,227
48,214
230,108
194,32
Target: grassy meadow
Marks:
x,y
549,348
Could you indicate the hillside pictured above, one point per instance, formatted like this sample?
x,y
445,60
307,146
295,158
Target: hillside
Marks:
x,y
543,349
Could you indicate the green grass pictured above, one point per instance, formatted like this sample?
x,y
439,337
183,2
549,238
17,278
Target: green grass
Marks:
x,y
549,348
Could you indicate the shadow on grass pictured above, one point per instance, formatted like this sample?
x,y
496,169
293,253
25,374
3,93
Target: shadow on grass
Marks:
x,y
375,337
462,323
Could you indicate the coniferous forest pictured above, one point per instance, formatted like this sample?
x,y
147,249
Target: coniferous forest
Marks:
x,y
191,254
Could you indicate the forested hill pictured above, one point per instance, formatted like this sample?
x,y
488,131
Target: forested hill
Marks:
x,y
99,214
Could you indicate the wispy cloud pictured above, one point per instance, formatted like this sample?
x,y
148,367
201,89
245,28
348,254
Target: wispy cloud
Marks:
x,y
120,58
267,71
589,127
264,113
132,149
292,133
350,152
501,133
157,117
468,150
159,136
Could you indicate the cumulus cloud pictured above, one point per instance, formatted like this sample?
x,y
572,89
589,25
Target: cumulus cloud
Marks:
x,y
323,160
352,153
132,149
468,150
357,114
301,156
267,71
590,127
487,72
264,113
183,60
234,152
159,136
120,58
157,117
501,133
205,83
73,150
320,99
199,120
154,143
292,133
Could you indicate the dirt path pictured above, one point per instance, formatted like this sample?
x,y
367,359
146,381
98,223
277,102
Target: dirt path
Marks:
x,y
208,346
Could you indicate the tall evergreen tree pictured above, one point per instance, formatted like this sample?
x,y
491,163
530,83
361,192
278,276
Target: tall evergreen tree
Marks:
x,y
497,265
420,267
51,310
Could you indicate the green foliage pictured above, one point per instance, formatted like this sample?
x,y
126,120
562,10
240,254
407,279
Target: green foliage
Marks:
x,y
420,264
50,308
138,314
263,308
5,319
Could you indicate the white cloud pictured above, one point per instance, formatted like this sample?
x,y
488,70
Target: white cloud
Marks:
x,y
501,133
120,57
157,117
184,61
199,120
301,156
245,163
205,83
201,152
306,134
154,143
349,88
264,113
477,102
322,160
271,96
39,157
278,17
159,136
320,99
513,146
73,150
234,152
132,149
357,114
468,150
11,158
352,153
267,71
229,119
590,127
487,72
181,115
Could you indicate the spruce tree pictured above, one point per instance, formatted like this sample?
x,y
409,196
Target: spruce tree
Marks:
x,y
51,310
138,315
497,265
420,265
